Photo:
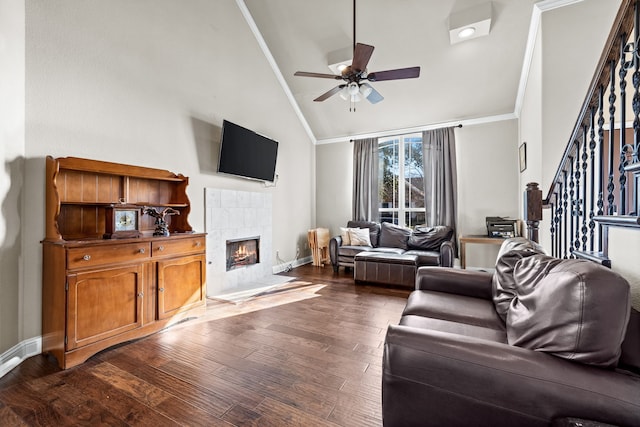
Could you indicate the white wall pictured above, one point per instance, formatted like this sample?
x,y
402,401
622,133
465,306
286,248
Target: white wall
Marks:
x,y
573,38
487,182
334,187
148,83
12,148
530,132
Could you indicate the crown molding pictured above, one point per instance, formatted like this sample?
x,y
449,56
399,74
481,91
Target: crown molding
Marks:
x,y
404,131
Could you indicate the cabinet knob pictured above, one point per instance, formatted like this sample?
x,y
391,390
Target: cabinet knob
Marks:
x,y
141,250
161,289
141,294
198,243
86,257
161,248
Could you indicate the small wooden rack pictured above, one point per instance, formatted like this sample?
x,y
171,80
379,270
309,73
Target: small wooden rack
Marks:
x,y
319,244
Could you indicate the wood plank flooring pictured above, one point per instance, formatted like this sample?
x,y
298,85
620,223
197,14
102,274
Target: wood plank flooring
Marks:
x,y
309,354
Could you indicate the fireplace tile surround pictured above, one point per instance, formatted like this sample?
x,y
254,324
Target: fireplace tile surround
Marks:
x,y
230,215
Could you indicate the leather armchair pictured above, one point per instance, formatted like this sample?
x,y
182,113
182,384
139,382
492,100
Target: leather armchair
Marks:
x,y
449,361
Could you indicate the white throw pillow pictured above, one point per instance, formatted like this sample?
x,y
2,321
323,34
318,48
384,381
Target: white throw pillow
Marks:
x,y
359,237
344,233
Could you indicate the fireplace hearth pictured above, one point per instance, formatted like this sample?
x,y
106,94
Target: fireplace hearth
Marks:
x,y
243,252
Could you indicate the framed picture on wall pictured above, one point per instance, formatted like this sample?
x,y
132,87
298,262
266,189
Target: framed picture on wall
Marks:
x,y
523,156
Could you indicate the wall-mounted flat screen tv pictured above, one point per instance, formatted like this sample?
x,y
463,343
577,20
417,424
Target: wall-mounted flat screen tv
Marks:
x,y
247,154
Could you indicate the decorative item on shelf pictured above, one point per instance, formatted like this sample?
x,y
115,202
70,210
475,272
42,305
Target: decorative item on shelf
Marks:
x,y
122,221
162,228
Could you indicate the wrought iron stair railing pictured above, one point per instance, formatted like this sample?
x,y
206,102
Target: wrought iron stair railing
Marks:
x,y
597,182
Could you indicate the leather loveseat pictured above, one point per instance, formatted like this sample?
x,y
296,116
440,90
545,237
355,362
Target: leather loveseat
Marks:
x,y
539,342
391,254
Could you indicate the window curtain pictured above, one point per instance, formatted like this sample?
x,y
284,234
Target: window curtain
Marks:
x,y
440,184
365,179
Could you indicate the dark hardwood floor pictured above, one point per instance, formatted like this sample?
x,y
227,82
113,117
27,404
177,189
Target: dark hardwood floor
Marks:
x,y
308,354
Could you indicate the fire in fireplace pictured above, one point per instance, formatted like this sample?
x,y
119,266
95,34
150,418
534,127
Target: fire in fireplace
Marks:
x,y
243,252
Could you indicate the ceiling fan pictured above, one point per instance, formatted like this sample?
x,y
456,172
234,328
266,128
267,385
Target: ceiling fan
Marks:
x,y
356,76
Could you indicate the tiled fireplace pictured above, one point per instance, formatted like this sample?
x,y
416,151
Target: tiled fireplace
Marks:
x,y
232,216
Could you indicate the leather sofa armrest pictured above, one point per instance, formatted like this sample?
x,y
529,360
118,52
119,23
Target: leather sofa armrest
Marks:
x,y
334,244
433,378
472,283
446,254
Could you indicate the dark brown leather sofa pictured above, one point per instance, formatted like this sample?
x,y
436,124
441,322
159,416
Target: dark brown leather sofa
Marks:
x,y
425,246
540,342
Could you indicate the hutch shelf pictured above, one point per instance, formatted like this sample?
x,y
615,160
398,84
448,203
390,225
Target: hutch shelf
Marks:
x,y
97,291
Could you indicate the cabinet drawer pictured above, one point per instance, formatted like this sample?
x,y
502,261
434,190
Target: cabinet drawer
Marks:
x,y
177,247
100,255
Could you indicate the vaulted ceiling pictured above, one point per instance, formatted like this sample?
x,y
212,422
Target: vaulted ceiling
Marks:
x,y
474,79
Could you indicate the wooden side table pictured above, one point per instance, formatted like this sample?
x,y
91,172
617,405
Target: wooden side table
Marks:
x,y
479,239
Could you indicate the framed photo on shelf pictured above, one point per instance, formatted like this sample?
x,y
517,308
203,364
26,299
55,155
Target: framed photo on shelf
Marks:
x,y
523,156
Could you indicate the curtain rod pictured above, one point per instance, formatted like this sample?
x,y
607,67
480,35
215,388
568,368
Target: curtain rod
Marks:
x,y
456,126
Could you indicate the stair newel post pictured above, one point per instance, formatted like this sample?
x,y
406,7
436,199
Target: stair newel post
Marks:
x,y
533,210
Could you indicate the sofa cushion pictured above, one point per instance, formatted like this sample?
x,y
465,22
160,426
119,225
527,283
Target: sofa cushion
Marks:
x,y
344,234
351,251
455,308
575,309
429,238
359,237
511,251
387,257
393,236
388,250
454,328
425,258
374,229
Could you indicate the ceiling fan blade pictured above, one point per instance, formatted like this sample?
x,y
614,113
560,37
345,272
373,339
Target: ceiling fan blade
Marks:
x,y
321,75
329,93
400,73
374,96
361,56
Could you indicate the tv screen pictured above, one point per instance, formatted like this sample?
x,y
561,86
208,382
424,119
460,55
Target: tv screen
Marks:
x,y
247,154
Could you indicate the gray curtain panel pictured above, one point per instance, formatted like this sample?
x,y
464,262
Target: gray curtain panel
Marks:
x,y
440,184
365,180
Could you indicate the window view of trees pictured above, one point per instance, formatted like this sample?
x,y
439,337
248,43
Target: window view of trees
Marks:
x,y
401,180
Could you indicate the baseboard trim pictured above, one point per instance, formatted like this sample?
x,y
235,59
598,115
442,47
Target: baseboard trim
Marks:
x,y
18,353
286,266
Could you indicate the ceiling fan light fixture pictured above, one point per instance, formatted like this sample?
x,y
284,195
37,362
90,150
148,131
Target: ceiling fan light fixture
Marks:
x,y
344,94
353,88
365,90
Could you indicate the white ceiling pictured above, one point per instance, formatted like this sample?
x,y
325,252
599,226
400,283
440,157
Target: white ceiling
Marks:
x,y
474,79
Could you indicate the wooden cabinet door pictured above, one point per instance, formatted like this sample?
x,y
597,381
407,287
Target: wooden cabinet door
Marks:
x,y
180,284
103,303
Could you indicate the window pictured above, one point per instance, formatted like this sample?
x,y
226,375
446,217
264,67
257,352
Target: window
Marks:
x,y
401,180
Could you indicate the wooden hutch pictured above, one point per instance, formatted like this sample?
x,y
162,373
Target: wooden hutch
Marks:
x,y
98,291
